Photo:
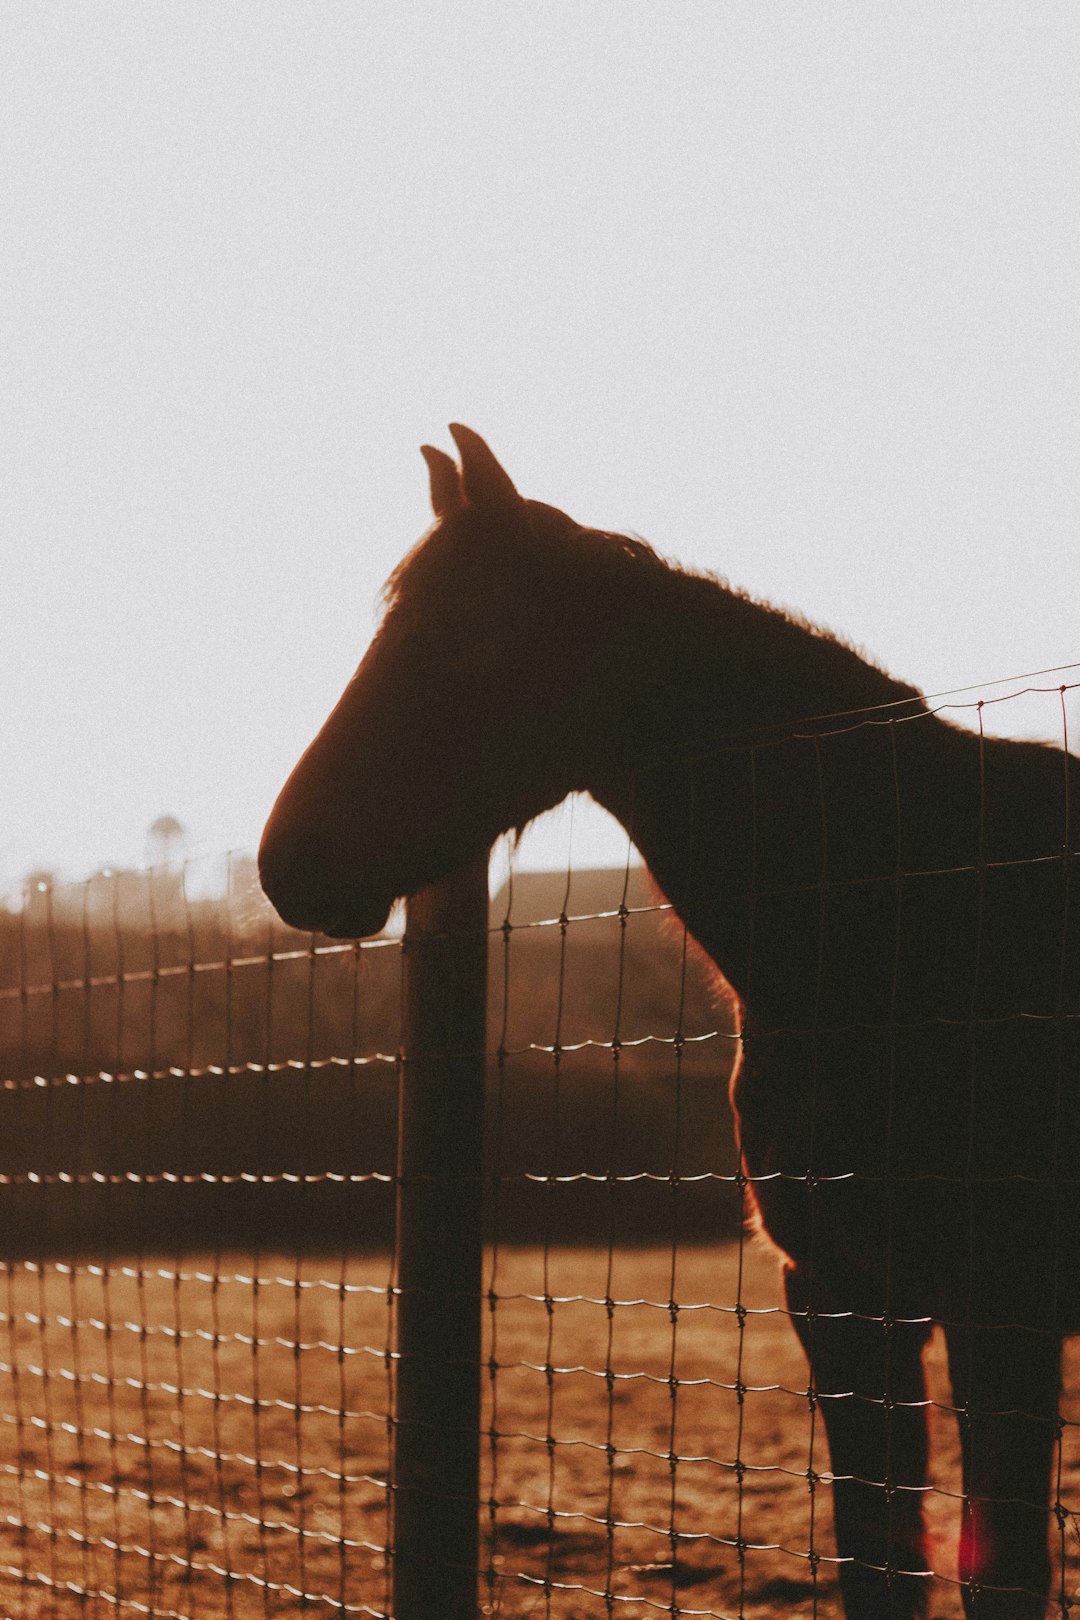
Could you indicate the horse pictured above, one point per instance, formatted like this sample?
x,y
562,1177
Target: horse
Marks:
x,y
884,895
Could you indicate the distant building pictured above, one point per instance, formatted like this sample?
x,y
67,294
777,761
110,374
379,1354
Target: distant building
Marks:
x,y
593,891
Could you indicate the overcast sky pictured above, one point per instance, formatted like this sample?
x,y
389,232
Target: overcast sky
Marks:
x,y
789,288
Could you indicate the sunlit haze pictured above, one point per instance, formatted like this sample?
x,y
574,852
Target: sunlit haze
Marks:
x,y
790,290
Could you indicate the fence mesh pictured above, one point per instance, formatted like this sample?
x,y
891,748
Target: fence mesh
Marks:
x,y
197,1168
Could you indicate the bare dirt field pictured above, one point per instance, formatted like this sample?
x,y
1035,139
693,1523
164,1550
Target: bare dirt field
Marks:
x,y
211,1439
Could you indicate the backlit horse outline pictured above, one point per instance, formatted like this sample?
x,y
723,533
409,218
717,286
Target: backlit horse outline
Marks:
x,y
886,895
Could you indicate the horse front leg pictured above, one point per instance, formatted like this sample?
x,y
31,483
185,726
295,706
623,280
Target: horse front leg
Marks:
x,y
1006,1383
868,1379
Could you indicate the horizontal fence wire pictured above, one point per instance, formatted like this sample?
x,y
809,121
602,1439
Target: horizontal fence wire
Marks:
x,y
197,1176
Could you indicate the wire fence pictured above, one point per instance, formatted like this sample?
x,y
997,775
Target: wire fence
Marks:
x,y
198,1169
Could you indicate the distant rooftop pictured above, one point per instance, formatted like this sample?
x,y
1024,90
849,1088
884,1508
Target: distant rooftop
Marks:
x,y
537,896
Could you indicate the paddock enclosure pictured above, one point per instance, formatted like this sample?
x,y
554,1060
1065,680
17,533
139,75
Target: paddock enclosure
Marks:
x,y
199,1167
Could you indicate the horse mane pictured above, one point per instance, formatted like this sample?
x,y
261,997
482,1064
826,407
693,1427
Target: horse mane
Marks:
x,y
805,625
705,588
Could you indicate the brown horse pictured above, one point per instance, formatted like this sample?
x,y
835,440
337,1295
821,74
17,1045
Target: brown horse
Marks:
x,y
886,895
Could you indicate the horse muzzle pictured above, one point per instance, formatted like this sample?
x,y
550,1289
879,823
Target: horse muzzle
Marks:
x,y
307,898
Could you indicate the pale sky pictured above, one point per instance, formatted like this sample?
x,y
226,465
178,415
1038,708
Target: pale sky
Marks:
x,y
791,289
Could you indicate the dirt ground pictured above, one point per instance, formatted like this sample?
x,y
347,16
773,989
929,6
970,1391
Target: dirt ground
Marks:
x,y
211,1439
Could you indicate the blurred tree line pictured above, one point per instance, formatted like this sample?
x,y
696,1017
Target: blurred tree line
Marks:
x,y
180,1071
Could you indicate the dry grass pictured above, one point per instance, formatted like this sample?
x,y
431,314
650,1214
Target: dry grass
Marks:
x,y
155,1460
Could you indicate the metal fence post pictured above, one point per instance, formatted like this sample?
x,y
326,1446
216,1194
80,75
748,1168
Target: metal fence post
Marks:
x,y
439,1252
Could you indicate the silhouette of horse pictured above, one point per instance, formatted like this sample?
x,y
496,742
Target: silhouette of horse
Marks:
x,y
886,895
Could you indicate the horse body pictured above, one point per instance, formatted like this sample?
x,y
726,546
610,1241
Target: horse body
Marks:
x,y
886,895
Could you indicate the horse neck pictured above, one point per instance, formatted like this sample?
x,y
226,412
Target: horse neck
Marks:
x,y
691,665
691,669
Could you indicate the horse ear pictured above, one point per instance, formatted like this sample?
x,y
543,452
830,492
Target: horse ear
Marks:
x,y
446,495
484,482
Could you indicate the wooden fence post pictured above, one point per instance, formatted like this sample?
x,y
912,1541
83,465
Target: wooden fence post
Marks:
x,y
439,1252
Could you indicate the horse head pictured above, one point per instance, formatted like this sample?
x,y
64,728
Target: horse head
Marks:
x,y
464,718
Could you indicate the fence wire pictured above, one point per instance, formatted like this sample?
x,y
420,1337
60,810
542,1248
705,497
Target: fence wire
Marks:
x,y
197,1173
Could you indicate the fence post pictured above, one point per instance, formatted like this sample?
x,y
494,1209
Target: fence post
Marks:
x,y
439,1252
